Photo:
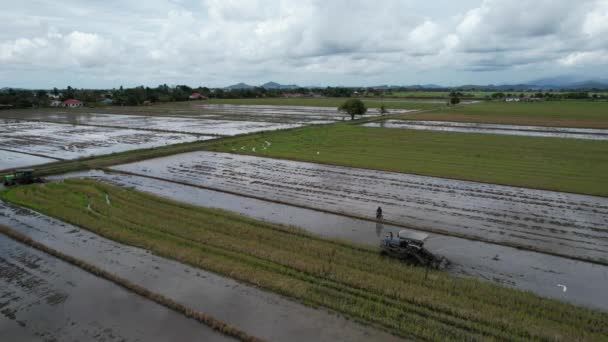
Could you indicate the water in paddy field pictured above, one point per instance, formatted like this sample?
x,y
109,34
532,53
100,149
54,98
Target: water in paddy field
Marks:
x,y
44,298
536,272
554,222
65,141
10,160
263,314
462,127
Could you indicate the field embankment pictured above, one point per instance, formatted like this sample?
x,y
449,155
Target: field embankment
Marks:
x,y
353,280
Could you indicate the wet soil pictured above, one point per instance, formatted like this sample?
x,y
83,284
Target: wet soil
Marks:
x,y
463,127
64,141
259,313
45,299
536,272
561,223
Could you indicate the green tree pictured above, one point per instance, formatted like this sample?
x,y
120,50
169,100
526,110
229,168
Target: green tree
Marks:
x,y
454,100
353,107
383,109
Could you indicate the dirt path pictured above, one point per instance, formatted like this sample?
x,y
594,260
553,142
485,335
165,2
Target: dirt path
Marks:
x,y
259,313
43,298
560,223
536,272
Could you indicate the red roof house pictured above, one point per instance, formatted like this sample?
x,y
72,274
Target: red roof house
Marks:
x,y
72,103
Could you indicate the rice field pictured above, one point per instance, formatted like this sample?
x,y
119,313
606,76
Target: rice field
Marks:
x,y
353,280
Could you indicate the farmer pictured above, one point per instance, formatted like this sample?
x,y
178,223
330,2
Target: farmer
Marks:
x,y
379,213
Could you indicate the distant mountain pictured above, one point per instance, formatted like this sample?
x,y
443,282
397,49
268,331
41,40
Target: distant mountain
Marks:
x,y
275,85
568,82
240,86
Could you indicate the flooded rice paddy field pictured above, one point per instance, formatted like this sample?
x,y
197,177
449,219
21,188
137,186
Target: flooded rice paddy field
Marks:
x,y
10,160
64,141
536,272
553,222
45,299
160,123
463,127
262,314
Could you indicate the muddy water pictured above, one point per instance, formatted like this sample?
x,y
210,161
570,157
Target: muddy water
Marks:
x,y
530,131
43,298
568,224
536,272
262,314
10,160
65,141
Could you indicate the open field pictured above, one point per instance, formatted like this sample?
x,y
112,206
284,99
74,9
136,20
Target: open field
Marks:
x,y
44,298
262,314
472,94
526,270
570,165
468,127
328,102
349,279
576,114
577,226
64,141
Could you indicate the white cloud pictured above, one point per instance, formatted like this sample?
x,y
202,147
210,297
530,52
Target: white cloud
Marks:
x,y
224,40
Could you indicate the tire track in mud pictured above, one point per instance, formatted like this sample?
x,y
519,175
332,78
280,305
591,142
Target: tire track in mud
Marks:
x,y
563,224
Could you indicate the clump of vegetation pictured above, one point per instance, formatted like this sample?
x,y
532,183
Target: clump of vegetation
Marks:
x,y
350,279
353,107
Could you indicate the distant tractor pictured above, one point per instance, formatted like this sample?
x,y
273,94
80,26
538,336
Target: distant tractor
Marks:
x,y
20,177
408,245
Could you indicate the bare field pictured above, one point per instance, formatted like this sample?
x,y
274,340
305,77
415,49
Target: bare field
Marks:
x,y
43,298
560,223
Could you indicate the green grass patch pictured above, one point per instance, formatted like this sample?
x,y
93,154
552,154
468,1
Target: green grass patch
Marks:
x,y
551,113
350,279
571,165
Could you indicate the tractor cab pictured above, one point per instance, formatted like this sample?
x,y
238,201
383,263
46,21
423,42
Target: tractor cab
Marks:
x,y
409,245
21,176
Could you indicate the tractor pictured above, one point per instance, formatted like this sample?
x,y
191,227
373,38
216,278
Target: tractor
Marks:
x,y
20,177
408,245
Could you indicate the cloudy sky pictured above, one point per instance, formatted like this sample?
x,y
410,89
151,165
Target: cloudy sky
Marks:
x,y
109,43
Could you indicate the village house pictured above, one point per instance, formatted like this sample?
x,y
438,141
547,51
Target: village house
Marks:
x,y
72,103
56,103
197,96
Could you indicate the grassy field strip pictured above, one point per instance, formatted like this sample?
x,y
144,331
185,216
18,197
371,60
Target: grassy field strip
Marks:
x,y
574,114
139,290
325,102
566,165
353,280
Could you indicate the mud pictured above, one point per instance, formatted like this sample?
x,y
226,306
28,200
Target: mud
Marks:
x,y
46,299
561,223
529,131
63,141
10,160
262,314
536,272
